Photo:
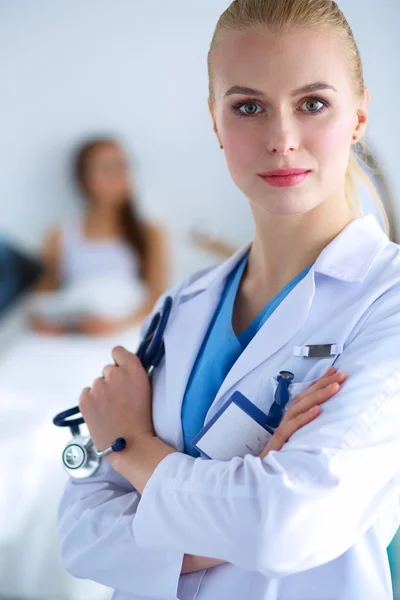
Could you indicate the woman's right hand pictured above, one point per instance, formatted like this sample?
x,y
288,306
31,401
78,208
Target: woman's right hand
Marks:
x,y
306,407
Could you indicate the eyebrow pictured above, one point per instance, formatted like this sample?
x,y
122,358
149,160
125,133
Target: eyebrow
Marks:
x,y
307,89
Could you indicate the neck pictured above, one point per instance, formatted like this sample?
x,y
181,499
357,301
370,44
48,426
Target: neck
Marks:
x,y
285,245
103,219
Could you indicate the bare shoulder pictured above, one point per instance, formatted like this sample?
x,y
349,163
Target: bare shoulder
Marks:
x,y
156,237
51,261
52,239
154,231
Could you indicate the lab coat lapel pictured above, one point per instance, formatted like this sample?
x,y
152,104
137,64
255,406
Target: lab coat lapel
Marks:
x,y
183,339
275,333
189,323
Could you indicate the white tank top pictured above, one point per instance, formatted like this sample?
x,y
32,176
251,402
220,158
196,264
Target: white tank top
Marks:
x,y
82,259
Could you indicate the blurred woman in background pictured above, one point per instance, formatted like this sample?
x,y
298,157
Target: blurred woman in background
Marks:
x,y
111,240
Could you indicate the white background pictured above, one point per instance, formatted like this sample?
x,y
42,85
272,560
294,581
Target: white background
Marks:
x,y
137,69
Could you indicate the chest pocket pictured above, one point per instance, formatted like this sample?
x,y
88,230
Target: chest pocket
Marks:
x,y
268,389
298,388
311,362
308,363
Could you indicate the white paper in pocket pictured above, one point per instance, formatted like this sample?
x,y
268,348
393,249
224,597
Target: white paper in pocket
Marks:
x,y
238,428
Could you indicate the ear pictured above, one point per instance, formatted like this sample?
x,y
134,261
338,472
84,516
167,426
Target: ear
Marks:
x,y
212,113
362,116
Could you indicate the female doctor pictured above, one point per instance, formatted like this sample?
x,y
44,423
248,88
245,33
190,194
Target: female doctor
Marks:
x,y
319,287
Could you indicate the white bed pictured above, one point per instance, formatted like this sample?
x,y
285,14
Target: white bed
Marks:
x,y
40,376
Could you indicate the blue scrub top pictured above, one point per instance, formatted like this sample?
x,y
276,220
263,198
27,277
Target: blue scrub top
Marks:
x,y
220,350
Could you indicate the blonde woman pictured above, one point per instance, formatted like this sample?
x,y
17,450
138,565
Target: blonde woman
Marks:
x,y
310,516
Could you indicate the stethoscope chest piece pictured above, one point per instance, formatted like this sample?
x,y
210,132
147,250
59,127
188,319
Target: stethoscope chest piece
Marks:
x,y
80,458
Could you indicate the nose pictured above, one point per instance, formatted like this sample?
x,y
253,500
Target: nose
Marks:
x,y
281,138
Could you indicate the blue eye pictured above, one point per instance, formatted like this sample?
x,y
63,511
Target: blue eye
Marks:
x,y
250,109
312,105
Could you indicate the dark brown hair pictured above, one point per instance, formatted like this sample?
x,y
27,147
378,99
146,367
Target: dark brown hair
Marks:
x,y
133,226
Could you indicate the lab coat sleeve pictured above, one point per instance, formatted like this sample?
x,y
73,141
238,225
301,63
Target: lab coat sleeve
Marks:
x,y
307,504
97,538
98,541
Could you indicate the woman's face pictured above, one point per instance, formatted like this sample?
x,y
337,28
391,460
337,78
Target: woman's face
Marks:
x,y
279,124
107,175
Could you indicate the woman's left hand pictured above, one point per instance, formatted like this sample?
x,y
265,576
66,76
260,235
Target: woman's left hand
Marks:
x,y
119,403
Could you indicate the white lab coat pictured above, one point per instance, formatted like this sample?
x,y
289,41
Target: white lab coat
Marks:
x,y
310,522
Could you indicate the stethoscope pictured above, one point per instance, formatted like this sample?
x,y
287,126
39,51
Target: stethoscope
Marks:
x,y
80,457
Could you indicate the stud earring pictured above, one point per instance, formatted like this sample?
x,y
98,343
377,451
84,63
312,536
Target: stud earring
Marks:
x,y
221,147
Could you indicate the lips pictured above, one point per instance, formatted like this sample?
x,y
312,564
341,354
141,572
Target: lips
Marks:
x,y
282,178
284,172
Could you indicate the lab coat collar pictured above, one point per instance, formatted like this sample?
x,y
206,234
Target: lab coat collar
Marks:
x,y
215,275
352,253
348,257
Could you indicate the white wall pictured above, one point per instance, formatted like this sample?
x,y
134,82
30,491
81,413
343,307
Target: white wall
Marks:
x,y
74,68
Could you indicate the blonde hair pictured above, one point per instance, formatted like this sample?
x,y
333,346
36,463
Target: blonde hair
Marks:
x,y
317,15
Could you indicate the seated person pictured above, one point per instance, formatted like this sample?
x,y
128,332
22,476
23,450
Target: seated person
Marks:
x,y
87,261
